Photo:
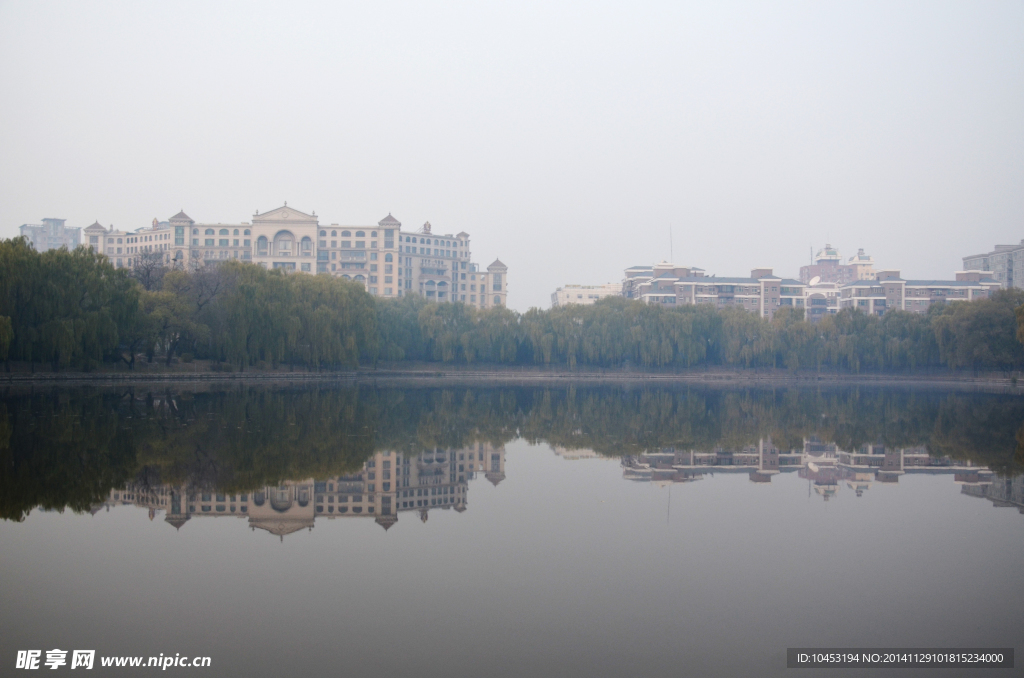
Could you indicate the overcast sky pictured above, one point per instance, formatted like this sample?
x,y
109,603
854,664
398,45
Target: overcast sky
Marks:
x,y
567,138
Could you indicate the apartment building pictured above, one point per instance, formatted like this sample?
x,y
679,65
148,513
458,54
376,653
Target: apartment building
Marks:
x,y
828,266
762,293
125,248
584,295
635,276
1005,263
890,291
821,299
387,260
51,234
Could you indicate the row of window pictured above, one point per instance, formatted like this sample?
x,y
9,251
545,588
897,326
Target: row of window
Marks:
x,y
348,234
223,231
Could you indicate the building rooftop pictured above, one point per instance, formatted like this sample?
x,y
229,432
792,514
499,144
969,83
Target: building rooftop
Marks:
x,y
714,280
389,221
922,283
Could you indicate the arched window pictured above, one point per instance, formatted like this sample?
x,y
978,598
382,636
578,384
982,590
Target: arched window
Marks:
x,y
236,231
346,234
283,243
195,231
307,247
360,234
261,246
387,257
224,231
374,234
360,278
247,232
323,234
346,277
209,231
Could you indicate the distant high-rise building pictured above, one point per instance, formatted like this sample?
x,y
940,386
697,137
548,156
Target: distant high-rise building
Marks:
x,y
52,234
1005,262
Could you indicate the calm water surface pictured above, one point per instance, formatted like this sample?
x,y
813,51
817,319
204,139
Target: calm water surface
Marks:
x,y
464,532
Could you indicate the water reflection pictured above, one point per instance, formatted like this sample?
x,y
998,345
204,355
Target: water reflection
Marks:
x,y
378,451
826,468
389,484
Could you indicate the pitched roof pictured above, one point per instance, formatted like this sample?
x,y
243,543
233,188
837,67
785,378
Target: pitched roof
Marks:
x,y
497,264
181,215
389,221
95,225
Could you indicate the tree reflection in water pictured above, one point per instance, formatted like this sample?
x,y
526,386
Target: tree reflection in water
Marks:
x,y
296,453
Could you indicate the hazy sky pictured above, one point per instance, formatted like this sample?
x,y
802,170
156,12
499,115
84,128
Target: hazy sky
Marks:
x,y
566,138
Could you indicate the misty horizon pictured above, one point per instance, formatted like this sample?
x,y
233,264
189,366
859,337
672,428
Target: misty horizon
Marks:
x,y
754,133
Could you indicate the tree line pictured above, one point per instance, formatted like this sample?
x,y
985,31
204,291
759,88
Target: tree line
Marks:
x,y
75,310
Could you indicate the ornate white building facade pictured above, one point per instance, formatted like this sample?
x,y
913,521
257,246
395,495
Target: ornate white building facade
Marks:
x,y
387,260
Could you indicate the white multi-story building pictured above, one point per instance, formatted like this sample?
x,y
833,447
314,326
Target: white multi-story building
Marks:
x,y
52,234
584,294
386,260
1005,262
891,292
762,293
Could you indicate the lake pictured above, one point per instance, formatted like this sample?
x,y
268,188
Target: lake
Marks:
x,y
357,530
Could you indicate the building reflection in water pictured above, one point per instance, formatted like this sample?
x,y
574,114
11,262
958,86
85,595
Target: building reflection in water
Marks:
x,y
824,466
389,484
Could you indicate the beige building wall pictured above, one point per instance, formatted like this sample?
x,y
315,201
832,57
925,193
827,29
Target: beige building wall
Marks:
x,y
584,294
385,260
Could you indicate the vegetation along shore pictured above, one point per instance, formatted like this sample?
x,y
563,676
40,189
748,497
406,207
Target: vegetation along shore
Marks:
x,y
64,311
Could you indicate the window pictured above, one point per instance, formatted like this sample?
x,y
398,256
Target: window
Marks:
x,y
246,232
360,234
387,257
209,231
224,231
209,242
344,234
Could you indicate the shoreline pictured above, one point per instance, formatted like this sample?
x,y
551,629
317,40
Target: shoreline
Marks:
x,y
524,375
